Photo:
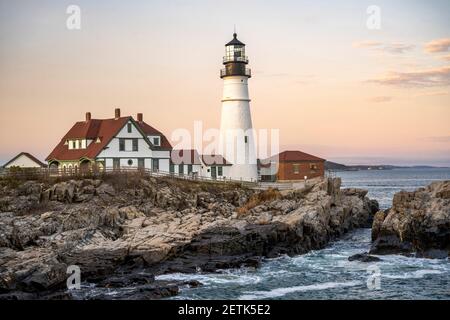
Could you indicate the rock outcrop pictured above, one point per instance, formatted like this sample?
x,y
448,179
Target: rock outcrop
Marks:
x,y
417,224
113,228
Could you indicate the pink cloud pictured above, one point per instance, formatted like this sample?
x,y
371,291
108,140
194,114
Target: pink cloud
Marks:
x,y
438,45
366,44
393,47
423,78
380,99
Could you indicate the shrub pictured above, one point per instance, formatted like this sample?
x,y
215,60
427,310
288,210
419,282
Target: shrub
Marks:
x,y
259,198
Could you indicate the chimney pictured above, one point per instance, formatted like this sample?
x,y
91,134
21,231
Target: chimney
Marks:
x,y
117,113
140,117
88,116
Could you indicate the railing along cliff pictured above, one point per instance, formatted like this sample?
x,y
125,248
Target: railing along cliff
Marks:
x,y
46,173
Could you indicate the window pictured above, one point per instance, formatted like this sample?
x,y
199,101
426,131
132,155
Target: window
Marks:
x,y
129,127
219,171
313,166
171,168
74,144
121,144
155,164
156,141
189,168
245,139
296,168
135,144
181,169
116,163
79,144
130,162
141,163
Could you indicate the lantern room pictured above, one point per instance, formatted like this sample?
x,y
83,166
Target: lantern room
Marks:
x,y
235,51
235,59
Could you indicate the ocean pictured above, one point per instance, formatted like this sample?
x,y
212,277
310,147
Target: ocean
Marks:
x,y
326,273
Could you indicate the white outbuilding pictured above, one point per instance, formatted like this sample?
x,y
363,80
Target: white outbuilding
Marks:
x,y
24,160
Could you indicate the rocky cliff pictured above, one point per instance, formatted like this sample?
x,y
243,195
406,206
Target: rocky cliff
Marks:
x,y
111,229
417,224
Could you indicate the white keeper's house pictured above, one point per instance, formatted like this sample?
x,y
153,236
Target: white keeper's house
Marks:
x,y
119,142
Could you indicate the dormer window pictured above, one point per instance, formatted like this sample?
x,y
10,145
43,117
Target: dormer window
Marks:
x,y
76,144
156,141
129,127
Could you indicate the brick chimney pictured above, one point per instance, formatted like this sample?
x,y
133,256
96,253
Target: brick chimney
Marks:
x,y
88,116
140,117
117,113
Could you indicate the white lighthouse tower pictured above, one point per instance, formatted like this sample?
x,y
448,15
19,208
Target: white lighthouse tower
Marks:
x,y
236,131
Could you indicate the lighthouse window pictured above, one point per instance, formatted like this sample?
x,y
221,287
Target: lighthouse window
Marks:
x,y
246,139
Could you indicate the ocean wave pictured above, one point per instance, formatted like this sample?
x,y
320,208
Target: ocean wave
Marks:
x,y
215,278
279,292
412,275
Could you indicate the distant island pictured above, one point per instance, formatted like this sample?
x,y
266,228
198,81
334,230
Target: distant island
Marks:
x,y
333,166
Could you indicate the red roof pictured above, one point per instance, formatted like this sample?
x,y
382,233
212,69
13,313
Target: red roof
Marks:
x,y
191,156
26,154
187,156
105,129
287,156
150,131
215,159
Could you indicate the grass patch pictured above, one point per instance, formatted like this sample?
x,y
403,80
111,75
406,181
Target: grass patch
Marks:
x,y
259,198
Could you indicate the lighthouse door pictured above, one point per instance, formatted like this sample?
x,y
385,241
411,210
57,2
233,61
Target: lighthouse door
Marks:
x,y
213,172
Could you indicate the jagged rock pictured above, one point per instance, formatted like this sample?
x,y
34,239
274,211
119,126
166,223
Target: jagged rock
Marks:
x,y
418,223
363,257
105,189
162,225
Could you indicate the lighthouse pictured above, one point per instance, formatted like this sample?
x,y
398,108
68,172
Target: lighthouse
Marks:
x,y
237,142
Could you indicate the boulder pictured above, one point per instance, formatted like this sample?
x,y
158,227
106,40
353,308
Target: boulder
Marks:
x,y
418,223
363,257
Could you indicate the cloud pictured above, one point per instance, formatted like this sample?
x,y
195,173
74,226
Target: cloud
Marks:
x,y
424,78
438,45
446,58
366,44
431,94
398,48
440,139
393,47
380,99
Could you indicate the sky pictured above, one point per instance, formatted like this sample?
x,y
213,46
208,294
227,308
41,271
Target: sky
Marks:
x,y
331,85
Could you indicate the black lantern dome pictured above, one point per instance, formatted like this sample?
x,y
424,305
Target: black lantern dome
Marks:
x,y
235,60
235,41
